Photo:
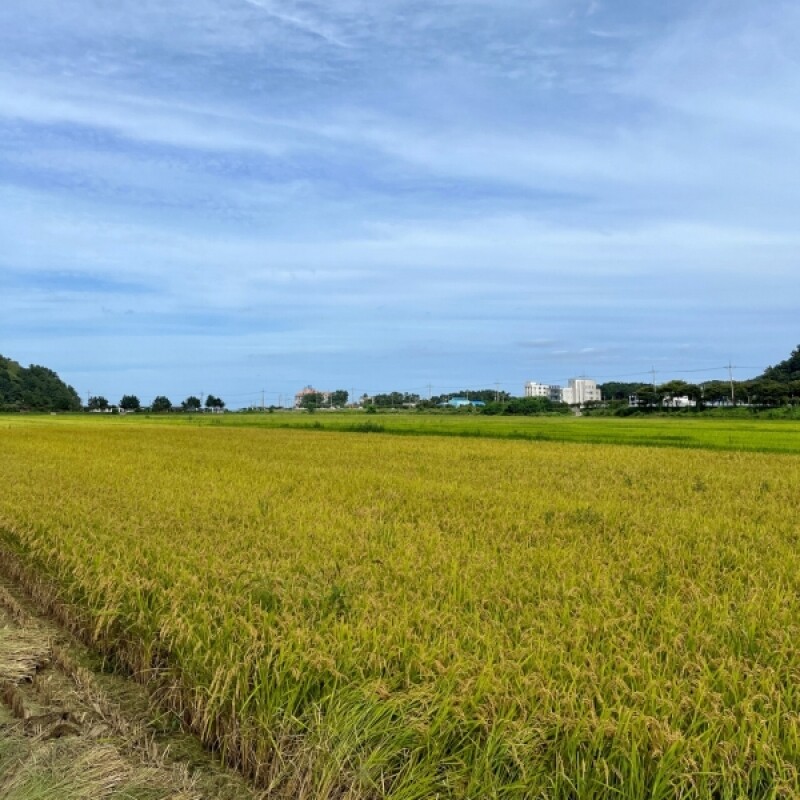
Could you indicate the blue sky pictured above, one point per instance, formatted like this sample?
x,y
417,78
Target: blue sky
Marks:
x,y
235,195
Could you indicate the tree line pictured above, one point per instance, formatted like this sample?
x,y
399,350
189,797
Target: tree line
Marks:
x,y
760,392
778,385
160,404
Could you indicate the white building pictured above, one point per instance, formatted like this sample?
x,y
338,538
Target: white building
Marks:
x,y
581,391
533,389
682,401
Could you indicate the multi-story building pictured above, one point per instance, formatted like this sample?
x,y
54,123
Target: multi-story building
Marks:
x,y
533,389
581,391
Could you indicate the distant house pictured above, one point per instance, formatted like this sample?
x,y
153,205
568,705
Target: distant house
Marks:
x,y
306,390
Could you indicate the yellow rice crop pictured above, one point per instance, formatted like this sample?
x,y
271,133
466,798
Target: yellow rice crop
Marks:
x,y
350,615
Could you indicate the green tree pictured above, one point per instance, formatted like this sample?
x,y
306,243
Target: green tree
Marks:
x,y
717,392
394,400
214,403
526,406
98,403
191,403
161,404
769,392
668,392
312,400
695,392
647,396
616,390
130,402
339,398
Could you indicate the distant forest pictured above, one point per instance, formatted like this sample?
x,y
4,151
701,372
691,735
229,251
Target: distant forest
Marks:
x,y
34,388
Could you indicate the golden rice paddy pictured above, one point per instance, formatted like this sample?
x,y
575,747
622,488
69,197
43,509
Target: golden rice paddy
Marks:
x,y
370,616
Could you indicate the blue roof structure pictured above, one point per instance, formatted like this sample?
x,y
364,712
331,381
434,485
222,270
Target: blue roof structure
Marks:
x,y
460,402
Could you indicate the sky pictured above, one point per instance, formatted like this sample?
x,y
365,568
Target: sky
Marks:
x,y
237,196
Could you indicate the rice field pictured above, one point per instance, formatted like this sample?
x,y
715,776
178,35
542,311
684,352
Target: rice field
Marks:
x,y
683,430
362,616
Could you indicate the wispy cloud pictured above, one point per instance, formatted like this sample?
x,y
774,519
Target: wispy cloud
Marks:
x,y
300,21
142,118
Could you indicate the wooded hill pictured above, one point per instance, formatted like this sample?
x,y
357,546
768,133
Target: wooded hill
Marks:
x,y
786,371
34,388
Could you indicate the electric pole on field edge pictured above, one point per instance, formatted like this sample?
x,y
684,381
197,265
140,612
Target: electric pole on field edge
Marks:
x,y
262,400
730,377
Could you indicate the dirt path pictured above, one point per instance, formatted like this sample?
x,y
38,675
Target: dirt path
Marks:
x,y
70,731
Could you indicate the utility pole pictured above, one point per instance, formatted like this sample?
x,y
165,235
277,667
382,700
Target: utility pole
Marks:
x,y
430,392
262,401
730,377
497,391
653,373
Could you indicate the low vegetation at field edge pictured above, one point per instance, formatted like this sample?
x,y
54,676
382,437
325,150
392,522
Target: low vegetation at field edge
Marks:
x,y
415,617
